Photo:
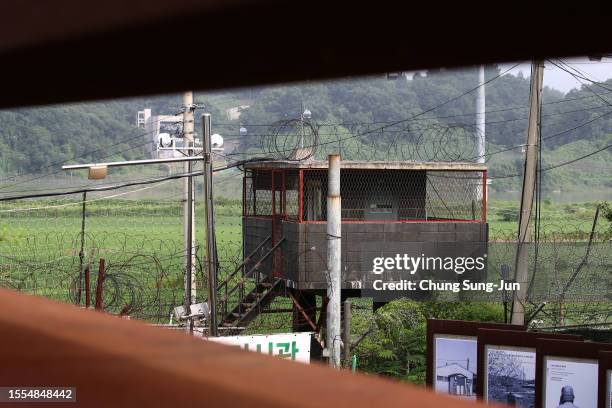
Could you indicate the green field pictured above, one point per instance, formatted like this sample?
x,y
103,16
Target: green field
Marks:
x,y
570,220
142,244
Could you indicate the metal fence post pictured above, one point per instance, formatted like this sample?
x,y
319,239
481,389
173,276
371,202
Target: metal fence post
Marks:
x,y
82,250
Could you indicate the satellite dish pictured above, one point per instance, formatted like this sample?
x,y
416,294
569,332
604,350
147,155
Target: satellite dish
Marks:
x,y
216,140
165,140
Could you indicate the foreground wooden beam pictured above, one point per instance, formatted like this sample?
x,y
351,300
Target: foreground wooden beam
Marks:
x,y
71,50
116,362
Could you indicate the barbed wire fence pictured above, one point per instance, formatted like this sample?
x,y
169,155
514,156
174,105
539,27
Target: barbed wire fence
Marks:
x,y
138,231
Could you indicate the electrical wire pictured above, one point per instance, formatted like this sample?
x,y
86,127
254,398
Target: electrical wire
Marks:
x,y
84,201
80,155
599,84
129,184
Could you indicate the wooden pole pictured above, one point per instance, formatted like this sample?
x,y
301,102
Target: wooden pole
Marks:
x,y
211,261
346,333
529,181
100,285
87,287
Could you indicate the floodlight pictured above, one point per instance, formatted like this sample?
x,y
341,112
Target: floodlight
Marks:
x,y
165,140
216,140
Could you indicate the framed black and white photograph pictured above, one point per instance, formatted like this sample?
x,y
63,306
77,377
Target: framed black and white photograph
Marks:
x,y
510,376
608,388
455,365
567,373
452,355
507,361
605,379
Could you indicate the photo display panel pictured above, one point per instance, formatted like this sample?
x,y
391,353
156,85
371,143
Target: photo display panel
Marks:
x,y
453,354
609,388
570,382
455,365
510,375
508,361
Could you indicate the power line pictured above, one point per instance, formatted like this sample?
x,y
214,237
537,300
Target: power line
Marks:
x,y
472,158
556,166
385,125
323,124
576,77
60,170
434,125
129,184
199,173
112,184
600,84
381,128
79,156
576,159
579,126
81,202
104,188
80,186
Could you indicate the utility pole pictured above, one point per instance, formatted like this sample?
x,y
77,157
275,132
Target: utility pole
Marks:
x,y
529,181
188,203
211,259
480,114
334,248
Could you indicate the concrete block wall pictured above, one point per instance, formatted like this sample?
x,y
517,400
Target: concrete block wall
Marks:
x,y
362,241
304,252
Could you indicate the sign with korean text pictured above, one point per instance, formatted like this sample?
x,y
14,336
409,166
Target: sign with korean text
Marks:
x,y
292,346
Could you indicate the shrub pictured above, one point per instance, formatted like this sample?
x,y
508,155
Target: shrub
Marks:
x,y
509,214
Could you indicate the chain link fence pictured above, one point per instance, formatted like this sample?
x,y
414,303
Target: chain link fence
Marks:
x,y
46,244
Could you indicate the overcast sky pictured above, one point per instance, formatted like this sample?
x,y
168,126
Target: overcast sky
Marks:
x,y
561,80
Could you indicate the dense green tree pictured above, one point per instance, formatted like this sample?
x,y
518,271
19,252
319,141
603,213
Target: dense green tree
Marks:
x,y
393,342
33,140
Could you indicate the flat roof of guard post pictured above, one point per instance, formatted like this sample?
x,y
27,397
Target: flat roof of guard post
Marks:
x,y
368,165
